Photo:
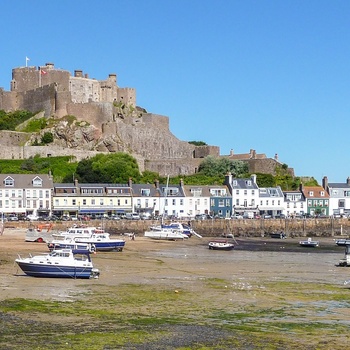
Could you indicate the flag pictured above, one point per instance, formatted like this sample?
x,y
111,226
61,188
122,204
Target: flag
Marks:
x,y
27,59
43,72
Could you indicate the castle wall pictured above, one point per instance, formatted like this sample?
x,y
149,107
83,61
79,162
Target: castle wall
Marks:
x,y
155,120
84,90
265,166
42,98
94,113
173,167
8,100
127,95
204,151
24,79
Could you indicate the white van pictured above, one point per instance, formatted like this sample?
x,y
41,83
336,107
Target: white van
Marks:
x,y
132,216
248,215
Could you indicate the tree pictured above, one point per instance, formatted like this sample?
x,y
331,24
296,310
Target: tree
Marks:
x,y
47,138
197,143
213,166
108,168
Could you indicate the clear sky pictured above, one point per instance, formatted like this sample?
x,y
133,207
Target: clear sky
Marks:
x,y
267,75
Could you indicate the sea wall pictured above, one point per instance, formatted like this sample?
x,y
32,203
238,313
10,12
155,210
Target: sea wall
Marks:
x,y
215,228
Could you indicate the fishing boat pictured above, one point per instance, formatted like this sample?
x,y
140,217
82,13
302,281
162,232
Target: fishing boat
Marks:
x,y
221,244
309,243
102,242
70,243
77,231
63,263
343,241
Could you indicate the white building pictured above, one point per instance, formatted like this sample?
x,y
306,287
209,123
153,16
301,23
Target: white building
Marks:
x,y
245,194
24,194
339,196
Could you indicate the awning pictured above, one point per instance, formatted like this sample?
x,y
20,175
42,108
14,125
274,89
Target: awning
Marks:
x,y
97,211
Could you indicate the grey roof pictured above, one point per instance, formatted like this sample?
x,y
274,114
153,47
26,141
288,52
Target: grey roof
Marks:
x,y
137,190
270,192
26,180
243,184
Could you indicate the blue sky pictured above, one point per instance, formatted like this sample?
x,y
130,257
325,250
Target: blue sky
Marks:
x,y
268,75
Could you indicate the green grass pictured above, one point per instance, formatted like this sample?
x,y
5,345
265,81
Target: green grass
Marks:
x,y
131,314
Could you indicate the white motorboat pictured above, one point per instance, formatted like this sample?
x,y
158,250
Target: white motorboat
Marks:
x,y
166,234
176,226
309,243
221,244
63,263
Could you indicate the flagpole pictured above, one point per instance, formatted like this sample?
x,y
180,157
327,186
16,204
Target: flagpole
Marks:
x,y
39,77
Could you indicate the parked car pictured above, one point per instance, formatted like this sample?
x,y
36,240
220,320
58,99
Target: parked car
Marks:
x,y
32,217
12,218
132,216
237,216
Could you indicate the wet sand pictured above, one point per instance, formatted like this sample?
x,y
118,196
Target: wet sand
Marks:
x,y
179,264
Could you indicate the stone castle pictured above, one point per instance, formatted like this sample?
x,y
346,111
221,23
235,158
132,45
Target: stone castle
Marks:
x,y
107,120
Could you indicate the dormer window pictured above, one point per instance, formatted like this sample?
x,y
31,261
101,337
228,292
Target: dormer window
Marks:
x,y
145,192
322,193
311,193
234,183
9,182
37,182
249,182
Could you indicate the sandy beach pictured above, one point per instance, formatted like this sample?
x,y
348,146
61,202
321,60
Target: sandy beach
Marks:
x,y
241,277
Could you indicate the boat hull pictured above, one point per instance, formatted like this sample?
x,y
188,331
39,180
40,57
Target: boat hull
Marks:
x,y
40,270
105,246
217,245
168,235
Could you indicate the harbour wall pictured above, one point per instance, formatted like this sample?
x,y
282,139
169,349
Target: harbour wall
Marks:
x,y
215,228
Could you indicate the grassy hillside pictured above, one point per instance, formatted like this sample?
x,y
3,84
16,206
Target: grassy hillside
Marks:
x,y
62,168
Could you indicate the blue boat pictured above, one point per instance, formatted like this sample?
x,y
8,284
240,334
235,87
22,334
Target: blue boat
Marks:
x,y
102,242
63,263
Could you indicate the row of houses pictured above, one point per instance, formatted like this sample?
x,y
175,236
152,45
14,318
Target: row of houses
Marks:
x,y
24,194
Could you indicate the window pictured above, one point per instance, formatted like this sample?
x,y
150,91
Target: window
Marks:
x,y
84,201
245,192
174,201
93,201
311,193
37,182
322,193
73,202
237,192
253,192
9,181
101,201
145,192
237,201
221,203
181,201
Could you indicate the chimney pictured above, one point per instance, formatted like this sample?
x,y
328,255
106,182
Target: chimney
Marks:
x,y
325,182
253,177
181,183
130,182
156,183
228,179
348,181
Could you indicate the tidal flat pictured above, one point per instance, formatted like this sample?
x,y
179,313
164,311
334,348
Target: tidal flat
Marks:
x,y
180,295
